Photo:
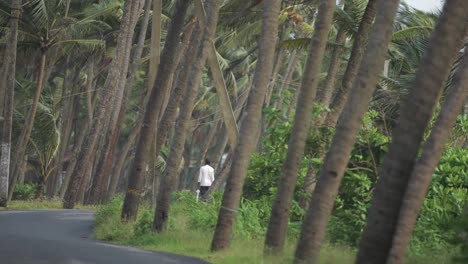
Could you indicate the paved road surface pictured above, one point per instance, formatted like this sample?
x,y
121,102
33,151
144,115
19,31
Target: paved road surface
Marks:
x,y
64,237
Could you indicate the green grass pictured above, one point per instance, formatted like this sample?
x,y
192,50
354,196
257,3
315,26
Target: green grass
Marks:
x,y
185,239
41,204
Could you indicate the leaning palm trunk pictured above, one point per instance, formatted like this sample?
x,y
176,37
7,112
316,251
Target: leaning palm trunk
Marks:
x,y
324,94
331,174
78,179
169,180
190,48
18,161
160,88
276,233
357,53
249,128
422,174
399,162
101,178
8,85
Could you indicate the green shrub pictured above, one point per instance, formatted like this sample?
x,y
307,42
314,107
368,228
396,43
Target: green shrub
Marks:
x,y
24,192
108,225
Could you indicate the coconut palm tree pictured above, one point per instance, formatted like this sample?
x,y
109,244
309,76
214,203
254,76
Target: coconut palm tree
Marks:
x,y
425,166
160,88
357,53
249,127
276,233
331,174
101,178
7,84
42,28
118,66
398,164
205,50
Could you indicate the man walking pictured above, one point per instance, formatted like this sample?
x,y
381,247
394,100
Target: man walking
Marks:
x,y
206,177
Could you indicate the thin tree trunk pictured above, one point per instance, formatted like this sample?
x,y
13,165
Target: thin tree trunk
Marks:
x,y
155,54
66,124
7,84
101,179
131,10
160,88
249,128
324,93
331,174
169,179
79,138
424,169
417,111
20,150
276,233
117,171
357,53
192,42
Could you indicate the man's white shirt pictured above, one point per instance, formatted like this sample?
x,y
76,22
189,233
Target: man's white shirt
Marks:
x,y
206,176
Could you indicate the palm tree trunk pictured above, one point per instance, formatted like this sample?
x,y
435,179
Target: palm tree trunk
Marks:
x,y
68,106
357,53
169,180
276,233
101,179
192,42
18,160
7,84
117,171
331,174
249,128
131,11
424,169
160,88
155,53
398,164
324,93
72,162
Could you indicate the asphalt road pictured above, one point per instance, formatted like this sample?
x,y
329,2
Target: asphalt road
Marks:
x,y
65,237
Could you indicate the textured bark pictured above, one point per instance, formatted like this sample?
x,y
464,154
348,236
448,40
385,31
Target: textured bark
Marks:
x,y
249,128
331,174
417,111
276,233
325,92
357,53
131,10
192,42
79,138
117,171
7,84
101,178
160,88
18,161
169,180
421,176
155,55
68,106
